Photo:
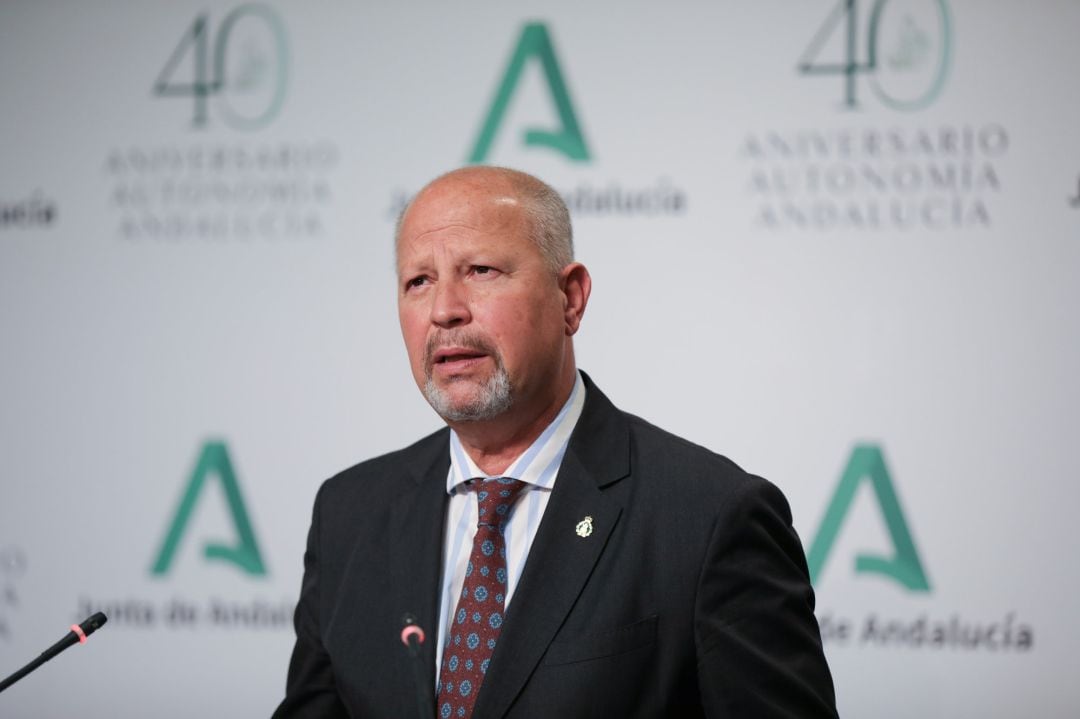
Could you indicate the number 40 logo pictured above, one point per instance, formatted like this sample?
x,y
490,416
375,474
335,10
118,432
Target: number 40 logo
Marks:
x,y
906,64
242,67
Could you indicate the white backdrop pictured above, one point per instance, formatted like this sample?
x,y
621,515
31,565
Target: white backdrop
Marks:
x,y
786,266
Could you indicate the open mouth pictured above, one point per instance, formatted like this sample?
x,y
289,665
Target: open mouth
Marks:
x,y
452,358
457,357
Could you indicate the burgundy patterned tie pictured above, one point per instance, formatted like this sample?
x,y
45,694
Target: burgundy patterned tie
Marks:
x,y
475,626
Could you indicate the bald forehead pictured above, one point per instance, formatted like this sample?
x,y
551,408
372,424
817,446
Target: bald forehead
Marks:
x,y
472,186
492,194
460,197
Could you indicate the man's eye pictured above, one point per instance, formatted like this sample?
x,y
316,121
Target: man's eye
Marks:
x,y
416,282
483,270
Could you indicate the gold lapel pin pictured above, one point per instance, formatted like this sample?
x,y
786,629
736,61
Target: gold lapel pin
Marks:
x,y
584,527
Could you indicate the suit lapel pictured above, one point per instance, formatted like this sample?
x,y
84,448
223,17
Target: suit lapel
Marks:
x,y
560,561
416,520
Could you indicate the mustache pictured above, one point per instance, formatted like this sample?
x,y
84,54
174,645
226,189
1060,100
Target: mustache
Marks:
x,y
458,338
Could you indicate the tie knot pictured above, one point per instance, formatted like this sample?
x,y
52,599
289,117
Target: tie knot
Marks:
x,y
495,497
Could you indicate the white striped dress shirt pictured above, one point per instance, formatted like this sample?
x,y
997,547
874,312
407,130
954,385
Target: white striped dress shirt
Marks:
x,y
537,466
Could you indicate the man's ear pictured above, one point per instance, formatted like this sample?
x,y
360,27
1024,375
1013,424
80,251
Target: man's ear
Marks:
x,y
576,284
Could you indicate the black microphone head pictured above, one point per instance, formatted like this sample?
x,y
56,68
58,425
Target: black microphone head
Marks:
x,y
94,623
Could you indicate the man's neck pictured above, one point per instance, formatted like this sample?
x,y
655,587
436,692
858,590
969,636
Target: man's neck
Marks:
x,y
494,444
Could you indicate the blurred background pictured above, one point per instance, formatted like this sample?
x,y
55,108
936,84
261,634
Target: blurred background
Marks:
x,y
835,240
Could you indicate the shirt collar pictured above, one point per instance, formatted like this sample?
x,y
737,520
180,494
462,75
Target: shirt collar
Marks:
x,y
538,464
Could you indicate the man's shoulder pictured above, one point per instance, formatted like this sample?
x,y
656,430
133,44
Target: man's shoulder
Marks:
x,y
671,466
388,470
656,440
649,448
653,445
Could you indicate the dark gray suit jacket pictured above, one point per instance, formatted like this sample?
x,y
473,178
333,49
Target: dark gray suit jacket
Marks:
x,y
690,598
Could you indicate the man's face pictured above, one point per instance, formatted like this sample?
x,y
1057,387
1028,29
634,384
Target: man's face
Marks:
x,y
481,313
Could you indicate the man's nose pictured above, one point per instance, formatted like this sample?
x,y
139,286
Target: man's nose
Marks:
x,y
450,307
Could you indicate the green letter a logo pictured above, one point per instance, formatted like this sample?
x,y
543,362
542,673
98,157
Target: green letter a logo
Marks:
x,y
867,462
534,42
214,460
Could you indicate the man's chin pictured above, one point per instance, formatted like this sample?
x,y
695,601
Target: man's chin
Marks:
x,y
461,409
458,402
466,400
458,390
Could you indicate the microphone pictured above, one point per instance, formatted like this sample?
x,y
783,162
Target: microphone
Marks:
x,y
77,635
412,636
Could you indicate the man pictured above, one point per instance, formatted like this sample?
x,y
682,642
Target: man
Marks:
x,y
567,559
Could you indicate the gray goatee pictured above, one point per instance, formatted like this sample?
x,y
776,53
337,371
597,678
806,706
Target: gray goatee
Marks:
x,y
491,399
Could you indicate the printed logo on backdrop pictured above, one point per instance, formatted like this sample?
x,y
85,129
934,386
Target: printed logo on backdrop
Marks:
x,y
12,569
562,134
534,45
894,172
242,556
907,45
225,82
924,629
868,465
32,211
